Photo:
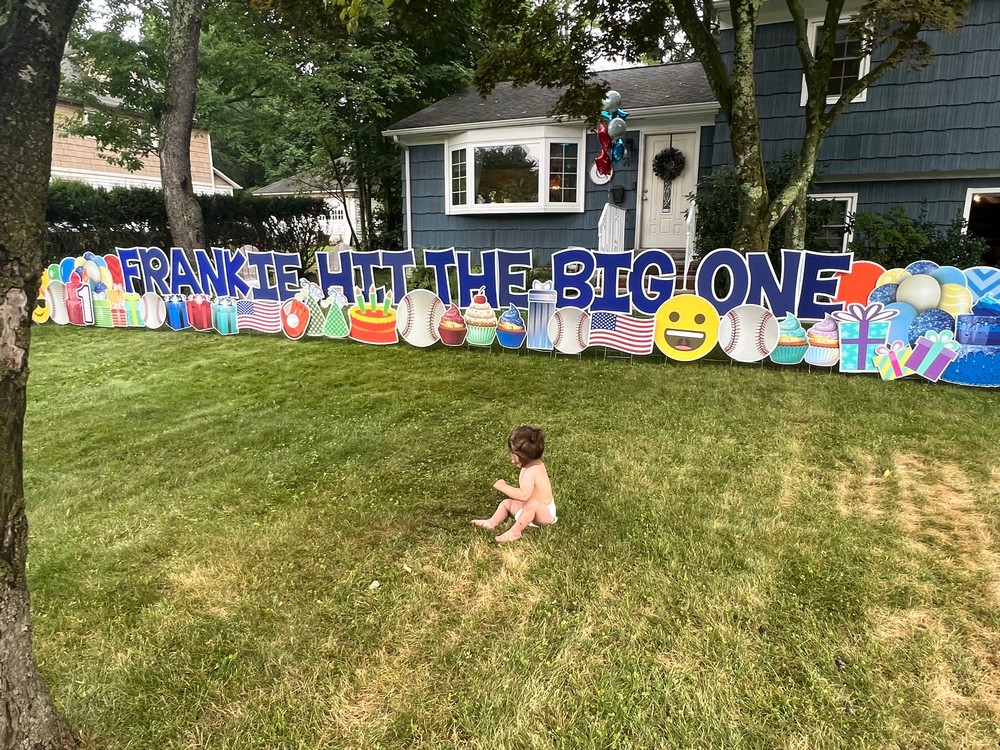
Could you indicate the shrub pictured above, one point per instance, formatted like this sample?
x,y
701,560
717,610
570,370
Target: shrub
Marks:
x,y
718,211
82,218
895,240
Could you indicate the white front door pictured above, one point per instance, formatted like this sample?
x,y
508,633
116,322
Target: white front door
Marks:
x,y
664,205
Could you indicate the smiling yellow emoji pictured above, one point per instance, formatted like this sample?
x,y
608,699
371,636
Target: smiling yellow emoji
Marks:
x,y
687,328
41,312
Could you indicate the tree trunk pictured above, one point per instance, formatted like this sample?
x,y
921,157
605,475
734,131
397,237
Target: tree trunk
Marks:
x,y
187,224
795,230
32,38
744,127
364,206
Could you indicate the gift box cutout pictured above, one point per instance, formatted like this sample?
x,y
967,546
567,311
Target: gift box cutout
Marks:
x,y
932,354
889,359
862,329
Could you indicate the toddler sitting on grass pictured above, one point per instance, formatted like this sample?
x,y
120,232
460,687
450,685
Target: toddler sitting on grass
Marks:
x,y
531,501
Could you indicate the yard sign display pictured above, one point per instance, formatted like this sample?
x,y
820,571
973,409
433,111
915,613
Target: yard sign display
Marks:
x,y
816,309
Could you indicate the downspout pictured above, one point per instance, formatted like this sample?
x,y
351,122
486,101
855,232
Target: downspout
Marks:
x,y
406,183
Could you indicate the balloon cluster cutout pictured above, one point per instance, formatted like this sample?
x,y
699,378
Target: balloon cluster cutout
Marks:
x,y
927,298
610,137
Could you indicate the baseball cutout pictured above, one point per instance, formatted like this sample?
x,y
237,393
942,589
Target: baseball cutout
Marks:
x,y
152,309
749,333
569,330
55,301
418,316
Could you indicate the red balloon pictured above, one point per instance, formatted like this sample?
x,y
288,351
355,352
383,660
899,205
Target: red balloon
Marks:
x,y
602,136
855,285
603,162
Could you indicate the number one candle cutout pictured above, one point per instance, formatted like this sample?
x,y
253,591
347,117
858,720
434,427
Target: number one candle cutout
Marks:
x,y
86,303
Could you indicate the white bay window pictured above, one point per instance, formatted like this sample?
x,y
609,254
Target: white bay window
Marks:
x,y
538,170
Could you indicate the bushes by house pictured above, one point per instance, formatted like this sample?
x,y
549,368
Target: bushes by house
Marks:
x,y
895,240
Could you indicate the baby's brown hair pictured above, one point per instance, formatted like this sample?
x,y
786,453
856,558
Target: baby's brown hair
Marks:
x,y
527,443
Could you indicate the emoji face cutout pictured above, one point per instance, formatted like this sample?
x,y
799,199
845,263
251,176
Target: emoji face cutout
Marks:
x,y
686,328
41,312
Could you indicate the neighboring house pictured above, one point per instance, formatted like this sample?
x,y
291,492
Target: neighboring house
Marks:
x,y
499,172
76,158
343,209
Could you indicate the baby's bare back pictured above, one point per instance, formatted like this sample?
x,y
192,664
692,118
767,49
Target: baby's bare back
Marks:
x,y
541,487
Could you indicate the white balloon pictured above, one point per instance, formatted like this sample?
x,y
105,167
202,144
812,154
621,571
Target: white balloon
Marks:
x,y
92,270
922,292
616,128
612,101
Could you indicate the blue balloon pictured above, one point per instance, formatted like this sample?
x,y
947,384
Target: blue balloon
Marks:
x,y
621,113
88,256
950,275
930,320
921,266
884,294
899,327
66,268
617,150
100,287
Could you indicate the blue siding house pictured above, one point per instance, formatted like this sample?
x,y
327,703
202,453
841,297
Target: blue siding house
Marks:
x,y
499,172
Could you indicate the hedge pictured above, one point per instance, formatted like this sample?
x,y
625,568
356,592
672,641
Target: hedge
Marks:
x,y
82,218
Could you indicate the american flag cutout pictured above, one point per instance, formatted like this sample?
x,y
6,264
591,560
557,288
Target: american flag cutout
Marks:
x,y
258,315
622,332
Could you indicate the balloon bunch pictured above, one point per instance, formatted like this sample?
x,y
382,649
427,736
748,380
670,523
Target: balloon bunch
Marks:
x,y
610,135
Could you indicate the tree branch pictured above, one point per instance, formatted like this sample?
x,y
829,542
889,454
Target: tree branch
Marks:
x,y
908,42
706,47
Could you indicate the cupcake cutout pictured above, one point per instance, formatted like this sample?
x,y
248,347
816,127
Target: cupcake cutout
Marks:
x,y
480,320
792,342
452,328
510,329
824,343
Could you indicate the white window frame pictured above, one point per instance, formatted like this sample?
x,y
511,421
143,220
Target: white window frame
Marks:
x,y
541,136
865,66
851,199
970,196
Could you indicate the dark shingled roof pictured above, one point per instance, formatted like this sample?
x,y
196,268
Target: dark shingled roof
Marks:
x,y
641,88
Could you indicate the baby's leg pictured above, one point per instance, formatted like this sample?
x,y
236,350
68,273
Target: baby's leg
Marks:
x,y
514,532
533,511
507,508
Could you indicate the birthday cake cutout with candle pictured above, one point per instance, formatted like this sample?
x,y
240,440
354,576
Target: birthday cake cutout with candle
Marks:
x,y
372,323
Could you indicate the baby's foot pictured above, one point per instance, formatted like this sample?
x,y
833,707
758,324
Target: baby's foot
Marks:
x,y
509,535
482,523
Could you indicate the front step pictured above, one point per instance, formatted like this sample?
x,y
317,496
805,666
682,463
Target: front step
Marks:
x,y
681,284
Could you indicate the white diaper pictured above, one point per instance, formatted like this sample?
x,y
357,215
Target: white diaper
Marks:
x,y
552,512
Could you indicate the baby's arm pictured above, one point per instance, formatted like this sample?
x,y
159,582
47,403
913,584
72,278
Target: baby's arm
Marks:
x,y
522,493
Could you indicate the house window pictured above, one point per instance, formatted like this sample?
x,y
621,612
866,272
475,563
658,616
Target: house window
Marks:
x,y
563,158
537,173
337,212
507,174
849,61
459,177
836,211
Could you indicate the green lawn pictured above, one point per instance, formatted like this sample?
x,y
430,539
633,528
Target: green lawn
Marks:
x,y
745,557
